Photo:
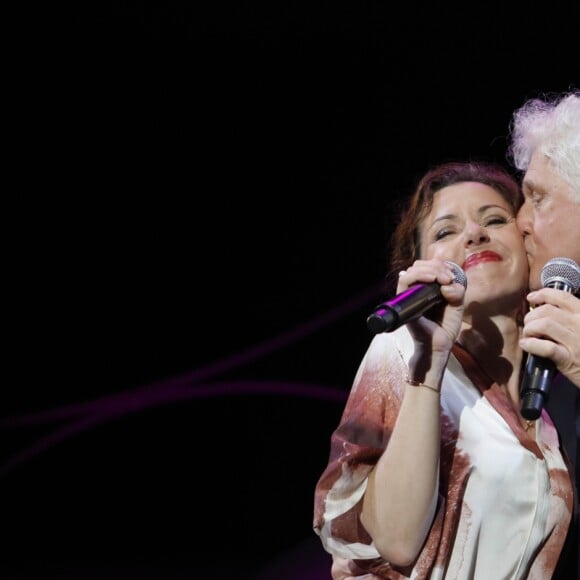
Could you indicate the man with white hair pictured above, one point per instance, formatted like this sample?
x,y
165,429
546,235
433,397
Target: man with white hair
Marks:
x,y
545,146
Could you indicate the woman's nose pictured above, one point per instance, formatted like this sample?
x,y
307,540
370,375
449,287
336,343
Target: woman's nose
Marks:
x,y
476,234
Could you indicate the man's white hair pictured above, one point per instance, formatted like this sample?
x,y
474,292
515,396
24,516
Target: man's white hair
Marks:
x,y
551,126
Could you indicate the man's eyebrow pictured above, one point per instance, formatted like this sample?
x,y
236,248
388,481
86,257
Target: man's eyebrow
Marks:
x,y
529,183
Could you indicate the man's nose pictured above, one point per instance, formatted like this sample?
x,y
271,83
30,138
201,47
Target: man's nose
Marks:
x,y
524,219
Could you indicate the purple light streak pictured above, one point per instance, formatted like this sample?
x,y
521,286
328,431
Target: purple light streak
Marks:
x,y
191,385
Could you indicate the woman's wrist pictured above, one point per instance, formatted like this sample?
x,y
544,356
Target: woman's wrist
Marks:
x,y
415,383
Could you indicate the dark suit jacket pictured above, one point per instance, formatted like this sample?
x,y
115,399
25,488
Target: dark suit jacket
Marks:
x,y
563,405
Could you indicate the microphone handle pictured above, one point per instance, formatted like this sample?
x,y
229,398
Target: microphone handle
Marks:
x,y
540,371
536,385
406,306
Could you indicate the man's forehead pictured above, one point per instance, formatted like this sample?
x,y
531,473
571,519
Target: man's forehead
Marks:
x,y
538,164
541,177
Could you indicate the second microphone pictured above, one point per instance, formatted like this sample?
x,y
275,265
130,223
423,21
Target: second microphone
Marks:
x,y
410,304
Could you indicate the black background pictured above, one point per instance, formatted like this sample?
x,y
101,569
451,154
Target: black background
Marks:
x,y
200,206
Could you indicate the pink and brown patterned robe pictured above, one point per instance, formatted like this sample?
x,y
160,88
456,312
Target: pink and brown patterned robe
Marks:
x,y
505,500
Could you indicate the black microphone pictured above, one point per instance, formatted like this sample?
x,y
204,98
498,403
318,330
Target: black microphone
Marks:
x,y
562,274
410,304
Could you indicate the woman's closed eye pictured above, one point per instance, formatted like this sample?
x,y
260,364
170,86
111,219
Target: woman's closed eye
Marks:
x,y
485,222
496,220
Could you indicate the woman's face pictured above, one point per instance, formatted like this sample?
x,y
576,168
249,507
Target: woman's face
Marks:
x,y
472,225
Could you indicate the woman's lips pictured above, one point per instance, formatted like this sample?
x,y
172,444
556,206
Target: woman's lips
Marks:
x,y
475,259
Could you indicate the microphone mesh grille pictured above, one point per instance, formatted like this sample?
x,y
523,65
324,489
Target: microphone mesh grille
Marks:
x,y
563,270
458,273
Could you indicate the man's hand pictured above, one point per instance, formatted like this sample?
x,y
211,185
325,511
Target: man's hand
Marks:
x,y
552,330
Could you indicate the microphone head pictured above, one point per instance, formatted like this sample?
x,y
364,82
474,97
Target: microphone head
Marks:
x,y
458,273
561,271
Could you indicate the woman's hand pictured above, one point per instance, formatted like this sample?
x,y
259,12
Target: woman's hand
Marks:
x,y
438,329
